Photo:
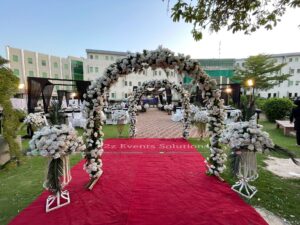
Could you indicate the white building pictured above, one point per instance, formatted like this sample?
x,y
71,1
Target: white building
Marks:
x,y
98,60
26,63
289,88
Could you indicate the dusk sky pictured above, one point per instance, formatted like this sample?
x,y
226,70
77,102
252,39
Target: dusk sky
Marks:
x,y
68,27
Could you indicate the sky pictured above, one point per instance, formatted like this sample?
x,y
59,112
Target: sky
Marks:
x,y
68,27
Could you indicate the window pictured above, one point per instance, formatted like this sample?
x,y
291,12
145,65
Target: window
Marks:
x,y
130,83
298,70
125,95
297,83
154,73
44,74
139,83
16,72
159,73
96,57
56,76
31,74
113,95
274,95
66,66
296,95
290,95
269,95
91,69
96,69
125,83
29,60
290,83
111,58
44,62
91,56
292,71
296,59
55,65
15,58
290,59
106,57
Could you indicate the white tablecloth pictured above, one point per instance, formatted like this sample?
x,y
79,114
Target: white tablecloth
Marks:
x,y
76,120
177,116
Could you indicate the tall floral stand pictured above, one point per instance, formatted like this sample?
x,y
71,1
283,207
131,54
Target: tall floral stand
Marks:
x,y
61,197
201,128
120,126
247,172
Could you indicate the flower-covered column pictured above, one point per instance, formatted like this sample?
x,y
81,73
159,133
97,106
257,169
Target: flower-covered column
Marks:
x,y
217,158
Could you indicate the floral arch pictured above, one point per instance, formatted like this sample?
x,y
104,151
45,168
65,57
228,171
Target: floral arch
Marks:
x,y
137,62
185,97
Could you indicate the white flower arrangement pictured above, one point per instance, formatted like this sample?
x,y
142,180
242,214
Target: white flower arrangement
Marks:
x,y
139,107
159,105
194,109
168,107
35,119
146,106
56,141
120,115
200,117
137,62
246,135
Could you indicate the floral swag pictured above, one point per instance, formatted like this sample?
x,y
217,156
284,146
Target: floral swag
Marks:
x,y
136,63
185,96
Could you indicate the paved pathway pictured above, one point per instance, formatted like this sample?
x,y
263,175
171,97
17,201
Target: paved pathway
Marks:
x,y
158,124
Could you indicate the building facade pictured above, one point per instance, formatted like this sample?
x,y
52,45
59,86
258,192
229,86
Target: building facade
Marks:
x,y
26,63
98,60
220,69
289,88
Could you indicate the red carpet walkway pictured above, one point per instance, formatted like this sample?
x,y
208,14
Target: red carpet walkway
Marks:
x,y
147,182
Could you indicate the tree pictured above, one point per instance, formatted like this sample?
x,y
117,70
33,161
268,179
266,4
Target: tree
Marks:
x,y
235,15
263,70
8,88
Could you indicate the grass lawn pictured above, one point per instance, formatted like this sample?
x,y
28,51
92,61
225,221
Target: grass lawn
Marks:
x,y
20,185
278,195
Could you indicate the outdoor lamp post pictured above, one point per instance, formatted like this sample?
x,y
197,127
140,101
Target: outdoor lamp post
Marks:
x,y
228,91
250,84
21,86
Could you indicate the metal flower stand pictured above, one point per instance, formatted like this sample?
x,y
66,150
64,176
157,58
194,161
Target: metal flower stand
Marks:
x,y
201,128
247,172
120,126
62,197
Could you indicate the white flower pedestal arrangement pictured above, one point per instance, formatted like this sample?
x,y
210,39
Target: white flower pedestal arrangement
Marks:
x,y
121,117
168,108
246,139
56,143
199,119
62,197
35,121
247,172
